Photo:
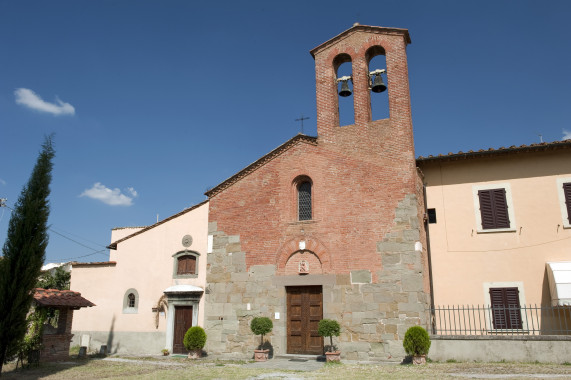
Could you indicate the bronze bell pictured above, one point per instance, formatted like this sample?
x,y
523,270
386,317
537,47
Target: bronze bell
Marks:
x,y
378,85
345,90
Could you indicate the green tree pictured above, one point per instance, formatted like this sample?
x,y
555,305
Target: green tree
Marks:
x,y
56,279
24,253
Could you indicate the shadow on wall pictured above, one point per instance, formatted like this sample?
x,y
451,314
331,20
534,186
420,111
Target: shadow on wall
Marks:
x,y
110,337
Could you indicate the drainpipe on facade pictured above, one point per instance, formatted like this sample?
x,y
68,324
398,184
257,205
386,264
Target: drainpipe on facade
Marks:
x,y
432,308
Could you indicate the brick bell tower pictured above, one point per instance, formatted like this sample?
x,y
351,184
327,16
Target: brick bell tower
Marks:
x,y
359,45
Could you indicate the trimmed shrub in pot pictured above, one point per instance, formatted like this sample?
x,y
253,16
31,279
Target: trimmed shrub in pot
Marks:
x,y
330,328
416,343
261,326
194,341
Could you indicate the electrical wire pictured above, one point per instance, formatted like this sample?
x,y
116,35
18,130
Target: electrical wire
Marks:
x,y
79,257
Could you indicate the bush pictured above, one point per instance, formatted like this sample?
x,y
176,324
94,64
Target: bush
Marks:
x,y
261,326
330,328
416,341
195,338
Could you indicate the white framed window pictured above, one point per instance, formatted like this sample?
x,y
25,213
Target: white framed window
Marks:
x,y
493,208
506,301
564,193
131,302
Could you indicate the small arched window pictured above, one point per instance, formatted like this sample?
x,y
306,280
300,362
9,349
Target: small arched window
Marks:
x,y
304,200
131,301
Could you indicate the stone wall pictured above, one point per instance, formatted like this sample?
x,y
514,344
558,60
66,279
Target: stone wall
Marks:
x,y
374,315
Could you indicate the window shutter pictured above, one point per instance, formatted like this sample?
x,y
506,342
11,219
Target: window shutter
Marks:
x,y
494,209
486,209
567,193
500,208
186,265
506,309
191,265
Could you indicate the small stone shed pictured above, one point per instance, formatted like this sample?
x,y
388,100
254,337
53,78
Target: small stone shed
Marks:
x,y
56,341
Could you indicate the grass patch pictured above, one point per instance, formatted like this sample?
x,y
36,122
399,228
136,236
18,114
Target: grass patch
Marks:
x,y
451,361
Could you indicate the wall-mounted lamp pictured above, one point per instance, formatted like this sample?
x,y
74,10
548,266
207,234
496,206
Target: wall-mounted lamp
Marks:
x,y
376,81
345,90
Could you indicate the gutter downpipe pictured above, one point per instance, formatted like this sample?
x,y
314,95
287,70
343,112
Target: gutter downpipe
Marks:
x,y
429,257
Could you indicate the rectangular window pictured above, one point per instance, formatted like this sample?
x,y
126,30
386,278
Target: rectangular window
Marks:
x,y
494,209
506,309
431,215
186,265
567,197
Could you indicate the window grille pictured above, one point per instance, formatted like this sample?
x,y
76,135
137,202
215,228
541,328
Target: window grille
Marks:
x,y
131,298
304,201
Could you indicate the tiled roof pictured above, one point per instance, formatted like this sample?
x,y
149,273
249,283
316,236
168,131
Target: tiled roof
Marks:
x,y
565,144
94,263
261,162
59,298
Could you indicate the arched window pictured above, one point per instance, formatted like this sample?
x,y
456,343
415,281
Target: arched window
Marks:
x,y
343,67
185,264
131,302
376,60
304,200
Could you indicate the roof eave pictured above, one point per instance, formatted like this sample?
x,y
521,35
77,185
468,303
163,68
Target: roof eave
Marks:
x,y
365,28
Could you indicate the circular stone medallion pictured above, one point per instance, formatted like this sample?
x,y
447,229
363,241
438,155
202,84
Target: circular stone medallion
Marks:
x,y
187,241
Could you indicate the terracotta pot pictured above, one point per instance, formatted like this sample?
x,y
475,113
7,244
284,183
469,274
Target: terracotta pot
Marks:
x,y
334,356
195,354
261,355
419,359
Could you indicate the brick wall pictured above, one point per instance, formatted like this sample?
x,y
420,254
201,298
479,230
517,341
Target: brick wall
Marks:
x,y
55,347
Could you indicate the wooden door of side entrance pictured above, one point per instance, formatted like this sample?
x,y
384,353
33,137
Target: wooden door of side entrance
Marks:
x,y
182,322
304,311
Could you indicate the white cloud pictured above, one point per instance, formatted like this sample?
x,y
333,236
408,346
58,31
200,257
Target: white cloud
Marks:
x,y
30,99
566,135
111,197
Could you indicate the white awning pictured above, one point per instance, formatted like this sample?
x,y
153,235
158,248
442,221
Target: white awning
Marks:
x,y
559,275
184,289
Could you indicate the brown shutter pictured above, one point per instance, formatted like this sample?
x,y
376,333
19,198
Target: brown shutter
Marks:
x,y
191,265
567,193
186,265
500,208
494,209
506,309
181,265
486,209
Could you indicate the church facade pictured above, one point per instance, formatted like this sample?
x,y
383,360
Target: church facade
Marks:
x,y
328,226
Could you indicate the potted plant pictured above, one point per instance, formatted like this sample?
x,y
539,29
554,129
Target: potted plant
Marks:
x,y
261,326
194,341
416,343
330,328
165,352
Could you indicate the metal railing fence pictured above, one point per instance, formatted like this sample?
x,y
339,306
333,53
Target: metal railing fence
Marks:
x,y
496,320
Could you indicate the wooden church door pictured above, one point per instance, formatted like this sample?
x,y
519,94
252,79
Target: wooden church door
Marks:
x,y
304,311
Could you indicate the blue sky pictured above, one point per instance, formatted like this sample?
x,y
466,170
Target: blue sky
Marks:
x,y
154,102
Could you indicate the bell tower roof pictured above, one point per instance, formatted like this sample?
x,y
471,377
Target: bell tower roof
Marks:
x,y
364,28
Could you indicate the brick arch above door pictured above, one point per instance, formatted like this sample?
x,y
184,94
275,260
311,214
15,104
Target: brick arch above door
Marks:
x,y
302,244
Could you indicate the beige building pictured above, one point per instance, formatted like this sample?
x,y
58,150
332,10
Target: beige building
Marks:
x,y
150,291
499,227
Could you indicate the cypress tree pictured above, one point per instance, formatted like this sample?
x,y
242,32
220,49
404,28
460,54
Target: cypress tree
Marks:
x,y
24,253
